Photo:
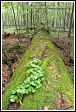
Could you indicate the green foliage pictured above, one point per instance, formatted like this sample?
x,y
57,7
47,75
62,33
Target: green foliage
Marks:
x,y
13,98
30,33
32,83
14,48
56,18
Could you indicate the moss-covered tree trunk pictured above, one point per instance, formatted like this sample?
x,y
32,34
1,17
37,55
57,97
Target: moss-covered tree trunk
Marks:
x,y
57,91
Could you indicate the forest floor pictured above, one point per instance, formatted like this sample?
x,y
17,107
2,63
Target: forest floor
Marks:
x,y
62,46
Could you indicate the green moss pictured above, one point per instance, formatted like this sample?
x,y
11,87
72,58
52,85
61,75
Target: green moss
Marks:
x,y
57,77
11,48
39,100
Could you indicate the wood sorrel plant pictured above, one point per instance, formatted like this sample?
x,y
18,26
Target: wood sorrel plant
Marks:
x,y
32,83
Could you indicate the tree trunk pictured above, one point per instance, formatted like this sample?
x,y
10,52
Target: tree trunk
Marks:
x,y
69,34
58,85
27,17
46,19
64,20
31,16
14,16
18,16
23,9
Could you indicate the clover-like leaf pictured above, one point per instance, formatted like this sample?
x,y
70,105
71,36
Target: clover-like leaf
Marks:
x,y
32,83
13,98
38,86
18,90
27,80
22,91
30,88
41,74
33,90
27,85
27,91
38,81
14,91
43,79
35,77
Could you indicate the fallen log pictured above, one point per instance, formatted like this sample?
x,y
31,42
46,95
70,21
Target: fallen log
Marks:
x,y
57,91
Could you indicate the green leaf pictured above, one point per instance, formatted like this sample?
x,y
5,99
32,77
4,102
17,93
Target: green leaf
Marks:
x,y
43,79
21,87
26,91
27,85
32,83
41,74
29,89
14,91
39,85
29,71
33,65
33,90
35,77
32,76
27,80
13,98
34,72
18,90
22,91
39,71
38,81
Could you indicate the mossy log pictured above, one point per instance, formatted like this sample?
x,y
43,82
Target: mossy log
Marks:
x,y
57,91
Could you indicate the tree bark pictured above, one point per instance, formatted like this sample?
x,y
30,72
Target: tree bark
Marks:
x,y
14,15
27,17
58,85
23,9
69,34
46,19
31,16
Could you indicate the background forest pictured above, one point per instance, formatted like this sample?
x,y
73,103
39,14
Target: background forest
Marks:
x,y
21,16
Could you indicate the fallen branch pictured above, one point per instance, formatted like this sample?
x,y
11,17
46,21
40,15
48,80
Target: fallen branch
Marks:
x,y
58,46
